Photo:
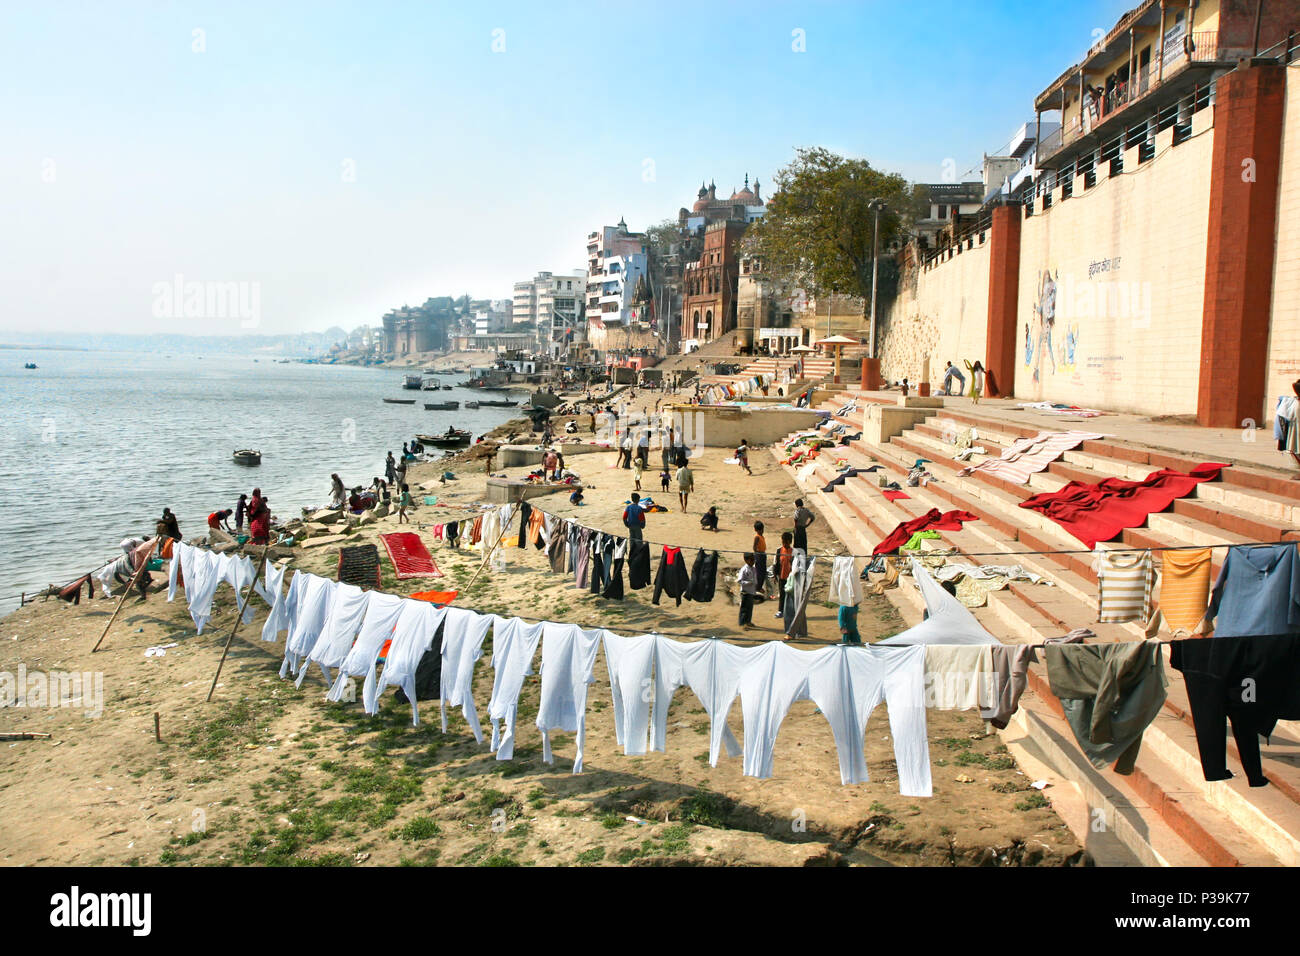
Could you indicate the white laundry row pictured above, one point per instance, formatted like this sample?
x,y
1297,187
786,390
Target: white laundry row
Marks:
x,y
343,630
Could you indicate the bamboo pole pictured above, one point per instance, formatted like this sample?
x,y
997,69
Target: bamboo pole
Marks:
x,y
239,616
135,579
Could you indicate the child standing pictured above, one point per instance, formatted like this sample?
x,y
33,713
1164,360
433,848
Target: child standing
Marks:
x,y
760,558
748,579
663,481
848,618
403,503
784,559
636,472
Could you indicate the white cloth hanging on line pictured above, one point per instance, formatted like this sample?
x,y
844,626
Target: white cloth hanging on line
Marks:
x,y
347,609
630,661
313,608
514,644
846,588
276,620
376,627
711,668
568,667
463,634
413,633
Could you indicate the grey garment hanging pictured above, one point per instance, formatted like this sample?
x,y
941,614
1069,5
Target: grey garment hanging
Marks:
x,y
1110,693
800,586
582,558
571,553
557,550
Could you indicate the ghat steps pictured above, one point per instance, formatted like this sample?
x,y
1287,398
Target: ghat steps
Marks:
x,y
1165,813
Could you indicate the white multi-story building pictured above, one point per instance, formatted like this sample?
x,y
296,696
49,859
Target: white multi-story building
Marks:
x,y
554,304
616,261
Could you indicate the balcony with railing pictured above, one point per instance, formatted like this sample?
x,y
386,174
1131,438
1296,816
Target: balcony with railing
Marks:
x,y
1100,107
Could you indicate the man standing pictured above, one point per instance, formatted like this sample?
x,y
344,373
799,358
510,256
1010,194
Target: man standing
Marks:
x,y
685,484
634,518
802,519
390,469
643,448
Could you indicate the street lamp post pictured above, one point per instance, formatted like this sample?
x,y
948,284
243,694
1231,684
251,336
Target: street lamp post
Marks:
x,y
877,206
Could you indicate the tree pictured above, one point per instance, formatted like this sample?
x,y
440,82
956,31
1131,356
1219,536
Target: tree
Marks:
x,y
817,231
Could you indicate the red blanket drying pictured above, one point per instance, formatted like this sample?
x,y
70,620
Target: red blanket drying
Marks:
x,y
931,520
411,559
1098,512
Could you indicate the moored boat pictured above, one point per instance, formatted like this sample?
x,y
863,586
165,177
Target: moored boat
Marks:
x,y
399,401
441,406
412,381
452,438
247,456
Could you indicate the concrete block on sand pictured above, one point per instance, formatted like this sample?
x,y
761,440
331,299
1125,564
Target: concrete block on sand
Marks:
x,y
314,529
326,516
324,540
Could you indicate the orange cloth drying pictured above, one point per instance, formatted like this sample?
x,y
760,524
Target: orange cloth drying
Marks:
x,y
536,520
1185,588
434,597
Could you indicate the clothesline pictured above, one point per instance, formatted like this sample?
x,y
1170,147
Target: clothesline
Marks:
x,y
967,554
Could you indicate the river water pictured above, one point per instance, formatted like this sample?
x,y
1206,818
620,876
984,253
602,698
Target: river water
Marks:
x,y
93,445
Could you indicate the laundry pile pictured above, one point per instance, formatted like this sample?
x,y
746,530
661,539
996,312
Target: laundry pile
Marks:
x,y
932,520
1028,456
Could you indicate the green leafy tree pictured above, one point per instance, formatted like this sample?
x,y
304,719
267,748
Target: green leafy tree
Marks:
x,y
817,231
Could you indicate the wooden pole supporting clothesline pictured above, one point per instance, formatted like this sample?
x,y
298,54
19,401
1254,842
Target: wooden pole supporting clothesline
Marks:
x,y
135,579
239,616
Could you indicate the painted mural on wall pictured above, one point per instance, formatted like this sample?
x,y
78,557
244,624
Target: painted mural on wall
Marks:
x,y
1051,337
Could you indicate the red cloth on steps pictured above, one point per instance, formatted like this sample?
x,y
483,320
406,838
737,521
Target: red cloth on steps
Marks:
x,y
931,520
1100,511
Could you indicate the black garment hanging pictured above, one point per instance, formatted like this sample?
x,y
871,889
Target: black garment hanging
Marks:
x,y
1252,681
452,533
704,576
638,565
525,509
428,673
614,587
671,578
597,563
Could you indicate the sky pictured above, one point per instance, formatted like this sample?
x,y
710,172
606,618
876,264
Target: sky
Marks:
x,y
305,165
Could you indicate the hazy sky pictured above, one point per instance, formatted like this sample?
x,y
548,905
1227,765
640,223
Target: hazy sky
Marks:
x,y
338,159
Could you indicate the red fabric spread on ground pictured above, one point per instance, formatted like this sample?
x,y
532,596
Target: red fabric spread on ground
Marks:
x,y
895,495
931,520
411,559
1100,511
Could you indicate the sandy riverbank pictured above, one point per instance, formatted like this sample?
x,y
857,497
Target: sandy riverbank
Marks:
x,y
267,773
